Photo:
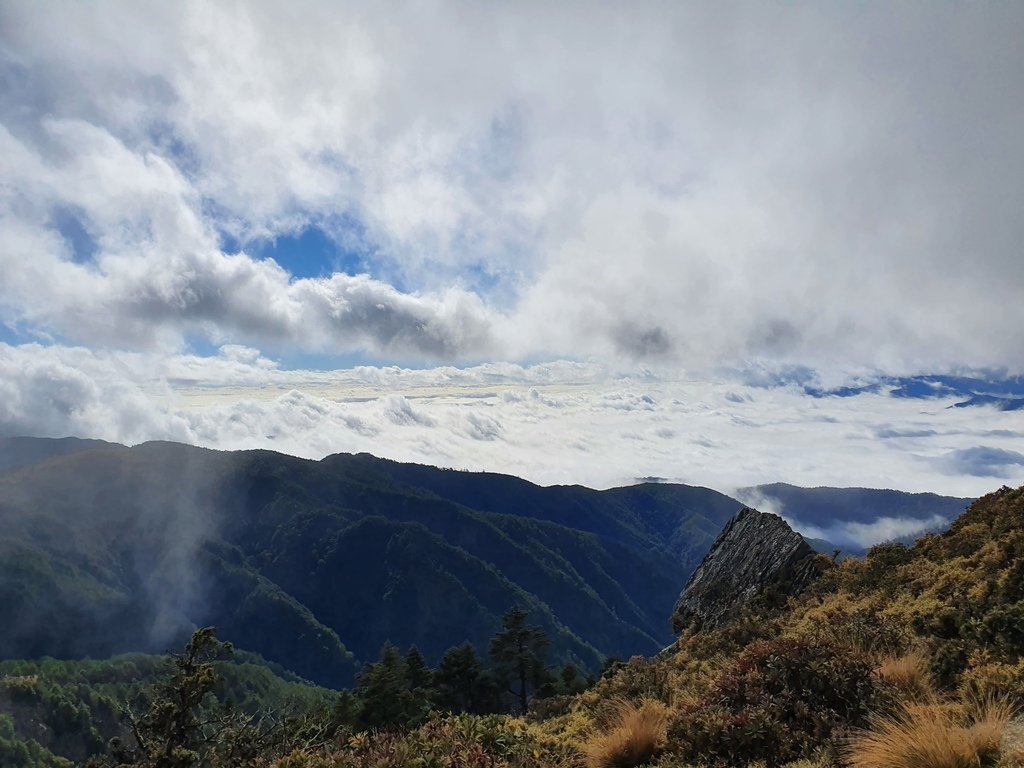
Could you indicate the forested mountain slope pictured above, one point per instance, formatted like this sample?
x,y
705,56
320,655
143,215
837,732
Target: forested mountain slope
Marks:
x,y
315,564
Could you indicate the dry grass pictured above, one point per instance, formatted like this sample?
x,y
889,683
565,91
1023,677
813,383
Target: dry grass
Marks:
x,y
632,736
1012,752
933,736
908,674
989,720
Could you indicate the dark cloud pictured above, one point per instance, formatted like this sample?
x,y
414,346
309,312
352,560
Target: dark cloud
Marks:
x,y
985,461
640,341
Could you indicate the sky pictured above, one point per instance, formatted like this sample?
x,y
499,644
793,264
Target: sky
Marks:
x,y
714,243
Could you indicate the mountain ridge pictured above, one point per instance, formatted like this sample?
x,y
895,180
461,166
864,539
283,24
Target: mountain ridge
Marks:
x,y
112,549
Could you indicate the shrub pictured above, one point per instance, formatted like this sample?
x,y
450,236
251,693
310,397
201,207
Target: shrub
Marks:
x,y
453,741
782,700
949,660
637,678
634,734
986,678
840,621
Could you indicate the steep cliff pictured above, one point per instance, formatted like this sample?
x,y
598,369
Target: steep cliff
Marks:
x,y
754,551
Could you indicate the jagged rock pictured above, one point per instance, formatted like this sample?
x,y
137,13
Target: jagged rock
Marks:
x,y
755,550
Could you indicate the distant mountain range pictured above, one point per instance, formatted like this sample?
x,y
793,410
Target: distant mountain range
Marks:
x,y
315,564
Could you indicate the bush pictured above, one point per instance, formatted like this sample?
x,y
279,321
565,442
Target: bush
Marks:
x,y
782,700
987,678
453,741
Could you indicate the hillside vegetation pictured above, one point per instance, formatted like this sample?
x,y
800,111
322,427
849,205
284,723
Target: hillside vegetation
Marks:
x,y
398,580
316,564
907,658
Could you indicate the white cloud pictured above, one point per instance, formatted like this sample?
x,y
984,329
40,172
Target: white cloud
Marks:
x,y
55,392
553,423
705,184
848,533
159,275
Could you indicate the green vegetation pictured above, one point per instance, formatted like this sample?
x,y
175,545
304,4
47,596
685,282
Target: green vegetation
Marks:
x,y
908,657
211,705
104,544
108,550
58,712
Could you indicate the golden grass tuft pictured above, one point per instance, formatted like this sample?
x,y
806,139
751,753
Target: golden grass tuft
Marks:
x,y
989,719
908,674
632,736
932,736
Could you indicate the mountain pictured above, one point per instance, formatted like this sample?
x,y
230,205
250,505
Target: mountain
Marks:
x,y
911,655
106,549
17,452
835,511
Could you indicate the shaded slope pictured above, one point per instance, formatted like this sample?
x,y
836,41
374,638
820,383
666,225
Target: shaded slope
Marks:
x,y
316,564
110,549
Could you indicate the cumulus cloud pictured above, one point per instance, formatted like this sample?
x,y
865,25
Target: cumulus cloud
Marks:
x,y
158,273
694,183
56,392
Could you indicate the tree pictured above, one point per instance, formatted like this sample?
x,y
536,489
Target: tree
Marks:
x,y
518,653
462,684
417,671
172,734
388,699
570,681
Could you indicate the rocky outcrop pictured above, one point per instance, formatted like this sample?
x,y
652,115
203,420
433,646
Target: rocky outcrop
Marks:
x,y
755,551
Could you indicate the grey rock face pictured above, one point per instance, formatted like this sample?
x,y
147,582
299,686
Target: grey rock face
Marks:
x,y
754,550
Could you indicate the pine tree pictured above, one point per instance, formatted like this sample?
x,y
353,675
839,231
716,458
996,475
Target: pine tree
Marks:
x,y
387,697
518,653
417,671
458,679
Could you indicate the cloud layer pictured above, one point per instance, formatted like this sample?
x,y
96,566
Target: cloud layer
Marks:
x,y
825,184
560,422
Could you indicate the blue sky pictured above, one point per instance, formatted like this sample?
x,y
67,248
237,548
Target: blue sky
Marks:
x,y
781,205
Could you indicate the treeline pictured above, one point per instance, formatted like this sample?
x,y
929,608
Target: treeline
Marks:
x,y
401,690
185,724
211,705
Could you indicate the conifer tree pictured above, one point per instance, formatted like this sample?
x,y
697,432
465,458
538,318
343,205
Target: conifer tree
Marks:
x,y
518,653
458,679
387,697
417,671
